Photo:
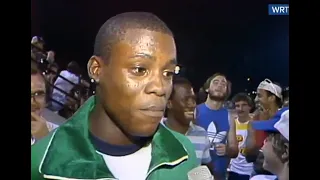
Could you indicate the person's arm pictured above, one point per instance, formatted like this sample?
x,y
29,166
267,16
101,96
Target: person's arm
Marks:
x,y
232,149
251,149
39,127
254,139
206,158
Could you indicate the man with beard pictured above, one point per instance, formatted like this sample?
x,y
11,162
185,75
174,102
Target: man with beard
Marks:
x,y
240,169
117,133
217,121
269,100
180,114
276,146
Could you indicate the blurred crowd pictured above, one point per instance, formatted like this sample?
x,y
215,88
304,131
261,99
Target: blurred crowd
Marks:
x,y
66,89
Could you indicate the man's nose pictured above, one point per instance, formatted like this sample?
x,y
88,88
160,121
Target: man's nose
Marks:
x,y
34,103
191,102
157,86
256,99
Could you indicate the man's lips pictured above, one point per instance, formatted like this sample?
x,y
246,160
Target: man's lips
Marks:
x,y
157,114
189,113
153,111
37,111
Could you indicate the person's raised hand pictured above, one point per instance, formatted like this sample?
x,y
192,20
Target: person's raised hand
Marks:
x,y
39,127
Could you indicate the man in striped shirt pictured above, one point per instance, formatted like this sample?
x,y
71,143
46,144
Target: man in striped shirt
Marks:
x,y
180,114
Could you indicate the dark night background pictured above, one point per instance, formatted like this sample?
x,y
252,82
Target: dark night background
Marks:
x,y
234,37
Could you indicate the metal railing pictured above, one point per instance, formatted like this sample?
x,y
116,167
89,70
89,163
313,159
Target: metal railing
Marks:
x,y
42,62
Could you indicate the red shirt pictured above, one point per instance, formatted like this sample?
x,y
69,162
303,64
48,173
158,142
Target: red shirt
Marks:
x,y
260,135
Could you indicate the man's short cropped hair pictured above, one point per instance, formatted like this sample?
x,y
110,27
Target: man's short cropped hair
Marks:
x,y
113,30
242,97
177,80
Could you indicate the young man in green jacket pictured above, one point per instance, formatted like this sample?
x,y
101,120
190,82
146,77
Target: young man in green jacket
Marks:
x,y
117,133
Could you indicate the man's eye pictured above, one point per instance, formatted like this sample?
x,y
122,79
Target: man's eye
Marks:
x,y
168,74
139,71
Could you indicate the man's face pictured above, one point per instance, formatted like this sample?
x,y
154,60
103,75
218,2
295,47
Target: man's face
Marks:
x,y
271,160
218,88
134,86
242,108
262,98
183,103
38,95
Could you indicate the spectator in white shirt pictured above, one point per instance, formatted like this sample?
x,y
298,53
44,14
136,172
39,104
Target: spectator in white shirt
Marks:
x,y
71,77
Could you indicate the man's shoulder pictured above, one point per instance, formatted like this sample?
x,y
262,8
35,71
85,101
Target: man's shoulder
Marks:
x,y
185,166
200,105
38,151
185,142
199,128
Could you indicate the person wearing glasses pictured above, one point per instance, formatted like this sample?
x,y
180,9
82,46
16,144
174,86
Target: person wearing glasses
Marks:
x,y
269,101
39,126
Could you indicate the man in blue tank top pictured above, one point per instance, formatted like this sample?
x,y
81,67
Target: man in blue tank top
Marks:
x,y
215,119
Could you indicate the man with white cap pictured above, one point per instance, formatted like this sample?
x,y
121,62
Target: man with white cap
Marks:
x,y
269,100
276,145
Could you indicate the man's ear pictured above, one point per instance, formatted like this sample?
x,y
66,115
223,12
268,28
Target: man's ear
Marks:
x,y
169,104
285,155
94,68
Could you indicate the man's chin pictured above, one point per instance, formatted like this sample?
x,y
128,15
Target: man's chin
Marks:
x,y
146,130
217,97
37,112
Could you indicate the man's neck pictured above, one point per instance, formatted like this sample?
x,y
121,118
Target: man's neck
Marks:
x,y
212,104
284,173
173,124
244,119
273,110
103,127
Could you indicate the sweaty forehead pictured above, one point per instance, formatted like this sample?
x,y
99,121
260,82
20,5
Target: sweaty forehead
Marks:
x,y
149,42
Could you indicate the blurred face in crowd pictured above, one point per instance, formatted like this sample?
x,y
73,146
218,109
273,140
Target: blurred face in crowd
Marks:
x,y
183,103
51,76
242,108
54,70
38,93
276,153
263,100
218,88
50,56
136,82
